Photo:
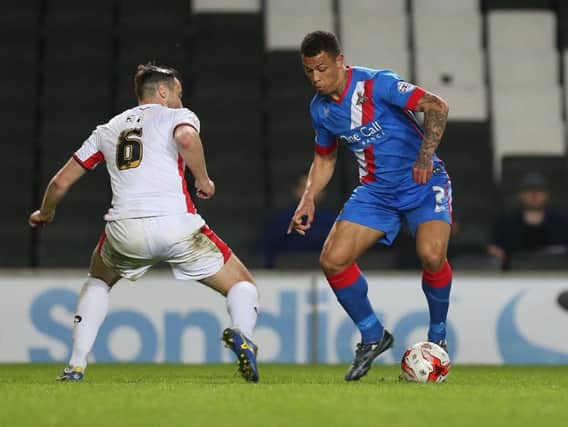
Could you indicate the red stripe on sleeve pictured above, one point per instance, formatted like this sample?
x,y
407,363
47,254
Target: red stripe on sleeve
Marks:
x,y
412,101
90,162
324,151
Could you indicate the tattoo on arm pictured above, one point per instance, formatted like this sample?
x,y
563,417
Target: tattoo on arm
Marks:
x,y
435,118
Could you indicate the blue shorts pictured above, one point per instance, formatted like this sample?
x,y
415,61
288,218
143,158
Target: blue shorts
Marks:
x,y
371,209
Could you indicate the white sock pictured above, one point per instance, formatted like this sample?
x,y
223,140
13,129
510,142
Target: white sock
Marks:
x,y
92,308
242,305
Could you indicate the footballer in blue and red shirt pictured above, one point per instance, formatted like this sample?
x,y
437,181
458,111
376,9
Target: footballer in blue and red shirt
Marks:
x,y
402,179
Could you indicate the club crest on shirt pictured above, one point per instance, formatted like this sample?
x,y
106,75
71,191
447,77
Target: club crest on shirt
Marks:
x,y
361,98
404,87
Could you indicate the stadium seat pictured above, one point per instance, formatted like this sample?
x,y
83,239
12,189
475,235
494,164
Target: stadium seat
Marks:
x,y
466,104
169,48
66,50
21,17
225,6
61,14
380,27
432,30
287,22
144,16
244,97
515,68
539,106
21,46
458,68
527,122
22,96
245,32
526,29
442,7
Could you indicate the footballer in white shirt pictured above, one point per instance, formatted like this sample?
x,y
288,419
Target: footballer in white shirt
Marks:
x,y
152,217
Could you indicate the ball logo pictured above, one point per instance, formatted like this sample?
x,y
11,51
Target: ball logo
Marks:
x,y
404,87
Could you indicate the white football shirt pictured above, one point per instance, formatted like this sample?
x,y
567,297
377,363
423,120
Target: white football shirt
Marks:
x,y
145,168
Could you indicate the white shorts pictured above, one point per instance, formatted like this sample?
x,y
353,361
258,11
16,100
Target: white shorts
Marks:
x,y
132,246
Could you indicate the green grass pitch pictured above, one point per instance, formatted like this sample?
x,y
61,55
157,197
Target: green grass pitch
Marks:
x,y
310,395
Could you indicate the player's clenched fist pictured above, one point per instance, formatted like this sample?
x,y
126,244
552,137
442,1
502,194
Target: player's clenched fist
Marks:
x,y
422,171
37,218
205,189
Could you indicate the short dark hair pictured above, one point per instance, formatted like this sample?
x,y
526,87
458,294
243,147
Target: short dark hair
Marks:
x,y
320,41
149,76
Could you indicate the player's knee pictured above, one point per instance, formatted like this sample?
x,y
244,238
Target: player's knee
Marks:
x,y
433,261
332,262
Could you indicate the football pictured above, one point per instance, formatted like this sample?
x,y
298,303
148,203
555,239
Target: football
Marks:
x,y
425,362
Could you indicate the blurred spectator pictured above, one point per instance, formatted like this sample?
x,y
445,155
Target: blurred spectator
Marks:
x,y
274,239
533,227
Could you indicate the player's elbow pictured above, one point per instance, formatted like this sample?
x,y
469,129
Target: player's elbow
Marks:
x,y
183,142
443,106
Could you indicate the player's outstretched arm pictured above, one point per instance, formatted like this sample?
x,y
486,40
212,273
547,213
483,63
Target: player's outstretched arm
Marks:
x,y
191,150
61,182
321,172
435,117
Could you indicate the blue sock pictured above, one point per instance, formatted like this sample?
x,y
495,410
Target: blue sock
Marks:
x,y
436,287
350,288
